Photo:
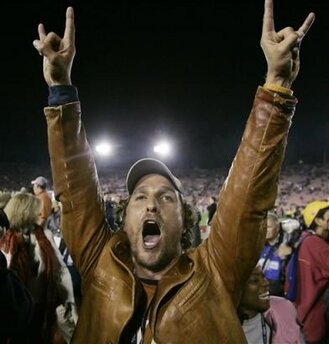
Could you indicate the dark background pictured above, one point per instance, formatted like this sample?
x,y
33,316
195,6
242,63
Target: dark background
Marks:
x,y
188,70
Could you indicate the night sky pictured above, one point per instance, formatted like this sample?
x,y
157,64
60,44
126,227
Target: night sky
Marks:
x,y
185,70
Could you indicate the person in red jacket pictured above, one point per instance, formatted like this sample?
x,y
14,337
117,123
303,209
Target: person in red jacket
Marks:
x,y
313,273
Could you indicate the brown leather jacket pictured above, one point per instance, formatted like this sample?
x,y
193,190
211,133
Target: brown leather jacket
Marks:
x,y
196,300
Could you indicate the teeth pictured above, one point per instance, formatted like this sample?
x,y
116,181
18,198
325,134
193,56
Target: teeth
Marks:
x,y
151,241
264,296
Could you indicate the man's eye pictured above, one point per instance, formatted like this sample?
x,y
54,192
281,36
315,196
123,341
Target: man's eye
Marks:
x,y
167,198
140,197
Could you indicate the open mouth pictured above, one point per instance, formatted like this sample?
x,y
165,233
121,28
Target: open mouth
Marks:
x,y
151,234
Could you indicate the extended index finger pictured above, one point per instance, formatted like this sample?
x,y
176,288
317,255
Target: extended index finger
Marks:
x,y
302,31
268,19
69,33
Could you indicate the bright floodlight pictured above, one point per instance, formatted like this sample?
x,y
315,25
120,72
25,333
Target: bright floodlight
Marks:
x,y
162,148
103,149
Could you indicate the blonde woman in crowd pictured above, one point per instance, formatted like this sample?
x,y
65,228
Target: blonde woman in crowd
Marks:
x,y
30,253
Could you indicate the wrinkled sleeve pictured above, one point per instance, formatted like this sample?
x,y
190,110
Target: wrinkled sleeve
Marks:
x,y
76,186
238,228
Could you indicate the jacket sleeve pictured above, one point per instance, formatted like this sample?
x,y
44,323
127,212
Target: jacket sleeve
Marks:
x,y
76,186
238,228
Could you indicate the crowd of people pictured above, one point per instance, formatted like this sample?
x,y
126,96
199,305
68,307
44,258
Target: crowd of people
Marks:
x,y
299,183
157,257
264,301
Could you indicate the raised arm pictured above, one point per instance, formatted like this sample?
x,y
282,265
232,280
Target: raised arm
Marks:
x,y
239,225
73,167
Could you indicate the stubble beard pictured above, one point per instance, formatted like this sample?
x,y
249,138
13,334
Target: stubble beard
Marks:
x,y
155,260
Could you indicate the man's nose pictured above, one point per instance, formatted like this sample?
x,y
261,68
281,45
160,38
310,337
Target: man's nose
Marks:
x,y
152,204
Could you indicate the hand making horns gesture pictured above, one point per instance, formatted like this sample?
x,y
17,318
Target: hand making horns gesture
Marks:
x,y
58,53
281,48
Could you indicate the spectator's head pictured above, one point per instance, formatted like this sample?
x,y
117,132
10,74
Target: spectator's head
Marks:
x,y
316,217
156,218
39,185
255,296
273,227
22,211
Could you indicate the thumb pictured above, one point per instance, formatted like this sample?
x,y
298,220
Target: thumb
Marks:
x,y
36,44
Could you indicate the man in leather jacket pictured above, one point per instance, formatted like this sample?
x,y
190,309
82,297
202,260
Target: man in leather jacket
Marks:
x,y
139,284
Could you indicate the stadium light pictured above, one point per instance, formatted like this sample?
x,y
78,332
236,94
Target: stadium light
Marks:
x,y
104,149
163,148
